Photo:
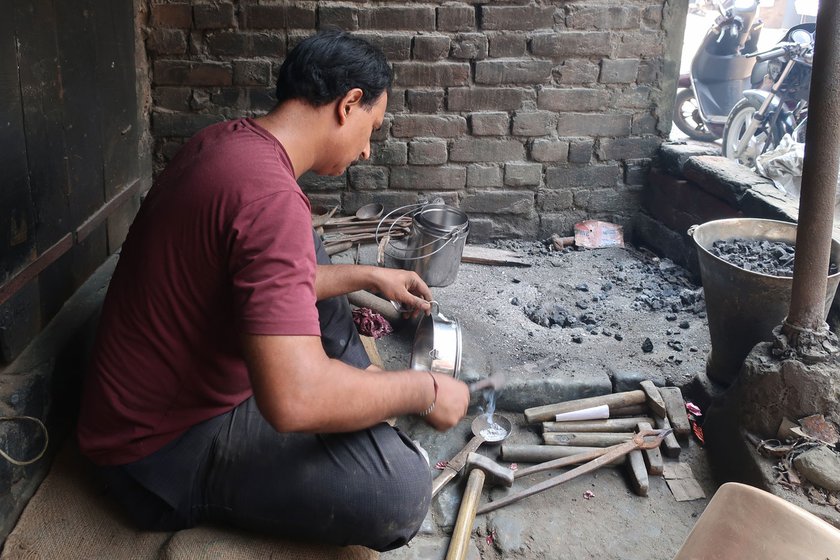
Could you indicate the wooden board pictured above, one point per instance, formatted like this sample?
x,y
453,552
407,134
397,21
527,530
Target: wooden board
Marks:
x,y
682,483
489,255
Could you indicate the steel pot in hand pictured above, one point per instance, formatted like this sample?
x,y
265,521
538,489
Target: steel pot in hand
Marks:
x,y
437,344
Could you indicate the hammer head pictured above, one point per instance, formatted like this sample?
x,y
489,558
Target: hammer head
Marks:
x,y
494,472
495,381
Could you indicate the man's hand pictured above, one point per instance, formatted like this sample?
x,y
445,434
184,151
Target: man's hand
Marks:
x,y
405,287
453,400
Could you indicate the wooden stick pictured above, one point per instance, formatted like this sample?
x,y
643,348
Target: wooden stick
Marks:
x,y
334,248
586,439
638,472
466,517
653,457
542,453
654,398
548,412
614,452
632,410
675,406
670,446
376,303
609,425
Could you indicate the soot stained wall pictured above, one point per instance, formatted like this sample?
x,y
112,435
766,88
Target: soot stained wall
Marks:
x,y
527,115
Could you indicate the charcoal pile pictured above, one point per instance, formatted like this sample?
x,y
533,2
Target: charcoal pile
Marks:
x,y
656,285
665,286
774,258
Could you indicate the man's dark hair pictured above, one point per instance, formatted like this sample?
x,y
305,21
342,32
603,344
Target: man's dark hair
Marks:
x,y
325,66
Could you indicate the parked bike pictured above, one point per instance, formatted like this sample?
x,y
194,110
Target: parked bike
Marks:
x,y
758,122
719,72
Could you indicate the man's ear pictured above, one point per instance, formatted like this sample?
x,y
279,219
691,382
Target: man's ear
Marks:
x,y
351,101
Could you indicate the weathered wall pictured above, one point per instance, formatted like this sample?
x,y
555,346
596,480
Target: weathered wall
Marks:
x,y
76,156
72,150
528,115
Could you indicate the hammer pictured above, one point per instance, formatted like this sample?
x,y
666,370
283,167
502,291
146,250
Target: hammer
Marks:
x,y
479,467
495,382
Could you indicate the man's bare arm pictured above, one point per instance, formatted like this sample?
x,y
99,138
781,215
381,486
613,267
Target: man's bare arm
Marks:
x,y
299,389
402,286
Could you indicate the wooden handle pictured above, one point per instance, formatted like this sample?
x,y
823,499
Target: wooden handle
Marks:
x,y
541,453
586,439
381,306
334,248
610,455
466,517
440,481
609,425
548,412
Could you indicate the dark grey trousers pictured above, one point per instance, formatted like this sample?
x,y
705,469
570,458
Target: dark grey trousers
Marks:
x,y
371,487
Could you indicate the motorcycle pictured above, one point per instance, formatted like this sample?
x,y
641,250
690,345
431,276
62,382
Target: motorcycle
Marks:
x,y
759,121
719,72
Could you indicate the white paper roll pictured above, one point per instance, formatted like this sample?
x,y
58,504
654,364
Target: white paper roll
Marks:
x,y
594,413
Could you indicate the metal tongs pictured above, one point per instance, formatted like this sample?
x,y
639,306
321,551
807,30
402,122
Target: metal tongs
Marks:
x,y
647,439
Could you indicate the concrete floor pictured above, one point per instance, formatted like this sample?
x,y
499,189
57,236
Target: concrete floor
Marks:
x,y
542,363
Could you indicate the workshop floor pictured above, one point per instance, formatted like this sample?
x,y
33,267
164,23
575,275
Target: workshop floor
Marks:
x,y
619,297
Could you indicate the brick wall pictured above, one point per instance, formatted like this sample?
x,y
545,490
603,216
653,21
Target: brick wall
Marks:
x,y
528,115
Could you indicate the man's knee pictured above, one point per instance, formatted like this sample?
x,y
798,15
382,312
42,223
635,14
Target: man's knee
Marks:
x,y
401,500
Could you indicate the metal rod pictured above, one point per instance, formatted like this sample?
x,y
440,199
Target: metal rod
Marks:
x,y
819,180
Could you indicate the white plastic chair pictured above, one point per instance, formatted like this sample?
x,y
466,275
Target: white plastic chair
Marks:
x,y
745,523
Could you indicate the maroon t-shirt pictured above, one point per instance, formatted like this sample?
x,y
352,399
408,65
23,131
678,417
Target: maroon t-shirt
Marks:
x,y
222,245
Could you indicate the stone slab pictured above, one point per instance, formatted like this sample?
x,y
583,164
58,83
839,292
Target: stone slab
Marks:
x,y
722,177
674,155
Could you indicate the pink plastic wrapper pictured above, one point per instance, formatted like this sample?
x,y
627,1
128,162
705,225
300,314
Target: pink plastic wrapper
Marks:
x,y
371,323
593,234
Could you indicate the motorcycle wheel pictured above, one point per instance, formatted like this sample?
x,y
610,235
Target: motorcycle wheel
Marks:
x,y
687,117
736,125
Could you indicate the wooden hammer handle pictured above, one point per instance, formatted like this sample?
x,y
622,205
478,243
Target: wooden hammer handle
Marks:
x,y
548,412
466,517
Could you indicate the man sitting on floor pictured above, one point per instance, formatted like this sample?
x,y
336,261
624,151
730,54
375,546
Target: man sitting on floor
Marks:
x,y
228,383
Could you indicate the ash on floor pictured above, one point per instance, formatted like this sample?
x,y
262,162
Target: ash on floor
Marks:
x,y
612,315
574,324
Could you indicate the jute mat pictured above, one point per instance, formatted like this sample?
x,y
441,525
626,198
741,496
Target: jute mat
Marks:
x,y
71,518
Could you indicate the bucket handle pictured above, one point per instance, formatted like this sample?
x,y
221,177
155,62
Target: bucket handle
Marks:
x,y
434,310
692,229
451,236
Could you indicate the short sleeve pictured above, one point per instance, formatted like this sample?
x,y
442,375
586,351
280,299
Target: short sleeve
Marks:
x,y
272,266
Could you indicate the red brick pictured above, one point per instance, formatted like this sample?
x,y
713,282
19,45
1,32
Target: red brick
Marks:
x,y
524,18
180,72
395,46
428,178
214,16
480,99
166,41
441,126
407,18
227,43
172,15
431,74
251,73
173,98
571,43
301,15
344,17
457,17
504,45
181,124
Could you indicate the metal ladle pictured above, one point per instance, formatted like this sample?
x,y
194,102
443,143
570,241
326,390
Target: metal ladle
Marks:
x,y
370,211
481,429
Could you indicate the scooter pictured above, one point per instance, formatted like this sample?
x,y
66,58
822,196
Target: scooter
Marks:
x,y
720,72
761,118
